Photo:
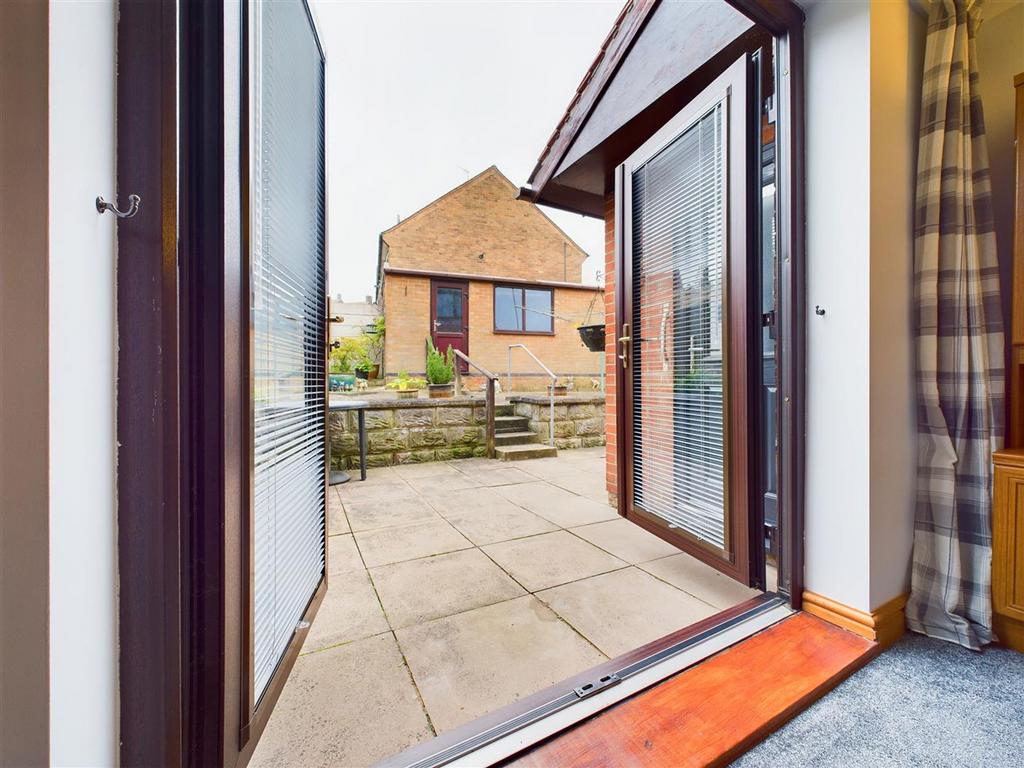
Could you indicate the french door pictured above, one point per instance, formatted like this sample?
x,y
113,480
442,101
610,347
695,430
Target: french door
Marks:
x,y
685,327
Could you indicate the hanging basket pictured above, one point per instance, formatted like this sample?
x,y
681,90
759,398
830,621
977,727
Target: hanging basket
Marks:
x,y
592,337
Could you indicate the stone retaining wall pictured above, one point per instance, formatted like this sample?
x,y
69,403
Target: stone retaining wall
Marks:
x,y
579,418
416,431
409,432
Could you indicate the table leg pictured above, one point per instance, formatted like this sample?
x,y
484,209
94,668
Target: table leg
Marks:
x,y
362,444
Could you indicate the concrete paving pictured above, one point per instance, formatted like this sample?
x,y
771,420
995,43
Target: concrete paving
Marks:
x,y
458,587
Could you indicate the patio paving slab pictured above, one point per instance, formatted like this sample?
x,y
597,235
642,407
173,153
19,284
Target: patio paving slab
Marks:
x,y
584,484
342,555
427,469
350,611
336,520
474,662
467,500
626,540
368,515
543,468
502,522
475,462
491,476
551,559
409,542
366,490
558,505
442,483
691,575
417,591
346,706
624,609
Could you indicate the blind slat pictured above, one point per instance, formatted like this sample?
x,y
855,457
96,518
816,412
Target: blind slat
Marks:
x,y
678,331
288,286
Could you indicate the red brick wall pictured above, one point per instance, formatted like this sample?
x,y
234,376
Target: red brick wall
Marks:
x,y
610,349
483,217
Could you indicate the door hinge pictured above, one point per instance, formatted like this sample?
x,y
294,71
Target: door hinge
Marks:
x,y
589,689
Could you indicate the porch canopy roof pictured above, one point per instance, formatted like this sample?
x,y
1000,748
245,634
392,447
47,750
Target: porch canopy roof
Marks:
x,y
657,57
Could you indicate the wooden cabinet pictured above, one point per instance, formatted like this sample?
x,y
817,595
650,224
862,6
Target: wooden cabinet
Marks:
x,y
1008,490
1015,433
1008,548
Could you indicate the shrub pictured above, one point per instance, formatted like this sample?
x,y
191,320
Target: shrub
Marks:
x,y
405,381
440,368
347,354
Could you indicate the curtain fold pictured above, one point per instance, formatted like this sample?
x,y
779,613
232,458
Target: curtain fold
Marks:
x,y
959,343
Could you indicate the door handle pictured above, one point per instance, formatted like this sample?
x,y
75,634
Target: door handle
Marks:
x,y
624,340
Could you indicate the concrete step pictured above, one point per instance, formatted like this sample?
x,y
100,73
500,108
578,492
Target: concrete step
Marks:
x,y
520,452
511,424
504,410
515,438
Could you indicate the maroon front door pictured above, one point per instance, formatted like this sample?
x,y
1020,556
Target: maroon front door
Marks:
x,y
449,316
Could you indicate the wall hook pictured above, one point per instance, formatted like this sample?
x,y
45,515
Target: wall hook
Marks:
x,y
819,311
133,207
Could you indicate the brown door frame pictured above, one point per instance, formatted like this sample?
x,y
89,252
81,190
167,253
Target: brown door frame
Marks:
x,y
150,606
740,132
462,285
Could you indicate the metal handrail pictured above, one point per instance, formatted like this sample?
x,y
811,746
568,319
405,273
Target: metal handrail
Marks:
x,y
467,361
490,407
551,394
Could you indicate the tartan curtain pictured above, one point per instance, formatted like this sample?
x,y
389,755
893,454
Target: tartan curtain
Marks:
x,y
960,357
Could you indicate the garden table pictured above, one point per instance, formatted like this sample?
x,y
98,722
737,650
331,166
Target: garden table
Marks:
x,y
339,476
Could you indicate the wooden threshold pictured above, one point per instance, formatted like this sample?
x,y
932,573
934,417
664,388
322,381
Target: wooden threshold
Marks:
x,y
715,711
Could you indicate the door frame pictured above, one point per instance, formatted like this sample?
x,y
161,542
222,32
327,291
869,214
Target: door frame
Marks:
x,y
150,561
733,88
785,21
183,480
463,285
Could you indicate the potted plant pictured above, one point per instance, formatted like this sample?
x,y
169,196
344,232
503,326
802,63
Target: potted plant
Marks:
x,y
559,386
440,371
592,336
367,369
406,387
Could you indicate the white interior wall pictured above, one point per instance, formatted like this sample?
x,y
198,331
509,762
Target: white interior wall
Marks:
x,y
838,223
897,56
82,430
863,93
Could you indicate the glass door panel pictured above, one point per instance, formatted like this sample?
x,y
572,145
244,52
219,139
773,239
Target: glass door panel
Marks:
x,y
684,258
288,320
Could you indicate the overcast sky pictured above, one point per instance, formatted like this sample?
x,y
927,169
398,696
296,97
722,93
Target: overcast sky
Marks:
x,y
420,95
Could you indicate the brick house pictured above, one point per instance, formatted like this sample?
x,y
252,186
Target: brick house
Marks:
x,y
480,270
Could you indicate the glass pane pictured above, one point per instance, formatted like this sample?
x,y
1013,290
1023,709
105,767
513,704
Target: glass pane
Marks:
x,y
288,289
507,315
678,332
538,310
449,310
769,382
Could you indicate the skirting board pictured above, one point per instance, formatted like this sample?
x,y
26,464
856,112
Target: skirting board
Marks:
x,y
884,625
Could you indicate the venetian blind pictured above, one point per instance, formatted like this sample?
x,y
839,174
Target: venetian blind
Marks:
x,y
288,290
678,219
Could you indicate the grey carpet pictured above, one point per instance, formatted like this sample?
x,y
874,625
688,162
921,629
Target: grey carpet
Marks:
x,y
921,703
